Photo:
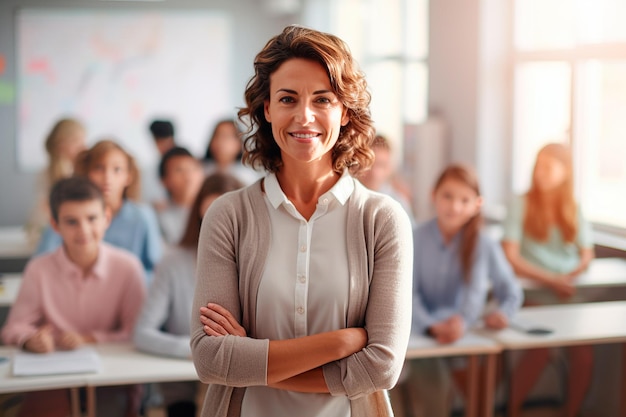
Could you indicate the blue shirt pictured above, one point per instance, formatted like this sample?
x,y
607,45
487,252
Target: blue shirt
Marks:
x,y
134,228
439,288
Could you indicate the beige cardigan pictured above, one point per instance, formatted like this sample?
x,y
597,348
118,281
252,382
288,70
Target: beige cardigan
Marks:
x,y
232,253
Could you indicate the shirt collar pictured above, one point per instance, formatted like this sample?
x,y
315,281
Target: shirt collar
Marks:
x,y
436,232
99,269
341,191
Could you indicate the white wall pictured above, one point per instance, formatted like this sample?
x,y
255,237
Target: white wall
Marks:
x,y
255,22
469,85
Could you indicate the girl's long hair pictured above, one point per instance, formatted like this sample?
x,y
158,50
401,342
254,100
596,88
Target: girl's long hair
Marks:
x,y
218,183
536,220
65,130
471,229
86,160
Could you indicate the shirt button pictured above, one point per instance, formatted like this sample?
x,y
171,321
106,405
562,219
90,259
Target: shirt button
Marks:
x,y
303,248
300,310
325,201
302,278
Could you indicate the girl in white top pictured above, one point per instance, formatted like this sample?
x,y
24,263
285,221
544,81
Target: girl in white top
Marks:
x,y
304,278
163,326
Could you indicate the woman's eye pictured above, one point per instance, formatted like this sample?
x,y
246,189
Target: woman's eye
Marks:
x,y
286,99
323,100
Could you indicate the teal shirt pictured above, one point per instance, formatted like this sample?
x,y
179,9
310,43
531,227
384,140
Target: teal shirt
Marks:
x,y
555,254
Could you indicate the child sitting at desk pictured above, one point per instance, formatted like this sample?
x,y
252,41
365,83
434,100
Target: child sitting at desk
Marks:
x,y
181,175
86,291
163,327
133,227
547,240
455,266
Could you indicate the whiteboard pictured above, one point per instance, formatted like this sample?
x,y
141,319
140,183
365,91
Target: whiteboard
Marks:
x,y
116,71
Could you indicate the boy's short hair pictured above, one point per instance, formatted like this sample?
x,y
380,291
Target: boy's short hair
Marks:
x,y
72,189
162,129
172,153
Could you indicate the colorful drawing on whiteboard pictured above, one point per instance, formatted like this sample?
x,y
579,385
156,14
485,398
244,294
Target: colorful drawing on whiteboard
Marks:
x,y
116,71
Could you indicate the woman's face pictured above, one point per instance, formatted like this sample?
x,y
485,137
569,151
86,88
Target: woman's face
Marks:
x,y
305,113
550,173
455,203
226,144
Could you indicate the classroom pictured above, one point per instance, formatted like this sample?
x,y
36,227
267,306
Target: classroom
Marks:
x,y
523,310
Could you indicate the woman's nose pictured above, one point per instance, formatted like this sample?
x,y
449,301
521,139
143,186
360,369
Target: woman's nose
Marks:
x,y
304,114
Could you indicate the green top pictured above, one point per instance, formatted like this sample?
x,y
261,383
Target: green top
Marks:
x,y
554,254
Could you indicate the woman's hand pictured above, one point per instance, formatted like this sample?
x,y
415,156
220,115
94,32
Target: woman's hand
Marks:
x,y
496,320
218,321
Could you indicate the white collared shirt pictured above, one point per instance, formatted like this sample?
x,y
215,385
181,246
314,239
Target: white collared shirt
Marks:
x,y
304,290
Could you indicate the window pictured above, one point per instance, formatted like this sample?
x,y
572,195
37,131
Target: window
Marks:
x,y
570,86
389,38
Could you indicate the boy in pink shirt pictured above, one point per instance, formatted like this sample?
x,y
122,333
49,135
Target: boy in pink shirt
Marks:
x,y
85,292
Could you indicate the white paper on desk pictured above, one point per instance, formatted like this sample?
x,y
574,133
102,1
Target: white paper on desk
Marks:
x,y
83,360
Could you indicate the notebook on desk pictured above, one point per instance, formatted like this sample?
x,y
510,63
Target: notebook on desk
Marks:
x,y
83,360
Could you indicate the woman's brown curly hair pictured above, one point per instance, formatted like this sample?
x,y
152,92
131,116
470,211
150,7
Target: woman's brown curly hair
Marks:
x,y
353,147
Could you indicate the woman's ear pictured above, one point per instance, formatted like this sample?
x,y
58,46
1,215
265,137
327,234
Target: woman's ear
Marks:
x,y
266,105
345,117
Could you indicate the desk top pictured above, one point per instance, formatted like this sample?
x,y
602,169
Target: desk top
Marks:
x,y
121,364
571,324
469,344
602,272
9,287
14,243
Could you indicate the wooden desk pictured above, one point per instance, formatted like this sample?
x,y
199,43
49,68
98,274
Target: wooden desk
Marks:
x,y
602,273
121,365
473,346
572,324
9,287
14,384
10,383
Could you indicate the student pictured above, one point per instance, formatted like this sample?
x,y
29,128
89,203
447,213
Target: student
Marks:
x,y
381,176
456,264
163,134
224,152
181,175
303,290
133,227
84,292
64,142
163,326
547,240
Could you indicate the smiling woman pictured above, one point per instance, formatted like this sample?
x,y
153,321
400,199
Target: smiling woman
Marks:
x,y
303,278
